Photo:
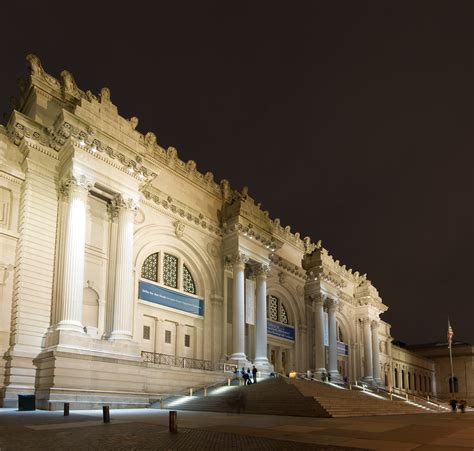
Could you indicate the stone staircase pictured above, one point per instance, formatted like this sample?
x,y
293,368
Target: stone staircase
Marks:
x,y
341,402
292,397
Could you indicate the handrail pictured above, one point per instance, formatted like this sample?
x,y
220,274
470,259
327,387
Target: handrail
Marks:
x,y
405,395
186,362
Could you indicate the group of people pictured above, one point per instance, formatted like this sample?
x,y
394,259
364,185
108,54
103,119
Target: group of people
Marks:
x,y
454,403
249,376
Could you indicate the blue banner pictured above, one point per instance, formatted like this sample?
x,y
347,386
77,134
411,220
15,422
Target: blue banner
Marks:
x,y
281,330
169,298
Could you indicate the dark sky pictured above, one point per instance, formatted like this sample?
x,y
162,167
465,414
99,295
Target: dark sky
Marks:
x,y
349,120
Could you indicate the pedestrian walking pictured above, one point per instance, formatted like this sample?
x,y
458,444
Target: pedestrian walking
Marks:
x,y
249,377
454,404
254,373
462,405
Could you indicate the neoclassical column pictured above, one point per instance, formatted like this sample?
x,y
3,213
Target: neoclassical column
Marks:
x,y
368,360
123,296
69,312
302,358
375,352
238,307
260,271
320,355
332,332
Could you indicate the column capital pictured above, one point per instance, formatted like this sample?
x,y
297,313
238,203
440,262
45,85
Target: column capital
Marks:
x,y
120,201
374,324
365,320
302,328
332,304
239,259
261,269
317,299
72,183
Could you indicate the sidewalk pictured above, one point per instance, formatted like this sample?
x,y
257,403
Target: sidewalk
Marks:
x,y
148,429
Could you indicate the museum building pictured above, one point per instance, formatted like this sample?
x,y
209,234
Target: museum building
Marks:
x,y
125,273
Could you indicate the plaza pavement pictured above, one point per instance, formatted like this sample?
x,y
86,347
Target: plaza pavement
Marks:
x,y
147,429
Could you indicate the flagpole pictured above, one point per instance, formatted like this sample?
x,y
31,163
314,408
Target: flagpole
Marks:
x,y
450,341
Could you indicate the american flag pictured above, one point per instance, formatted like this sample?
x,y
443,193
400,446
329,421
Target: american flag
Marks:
x,y
450,334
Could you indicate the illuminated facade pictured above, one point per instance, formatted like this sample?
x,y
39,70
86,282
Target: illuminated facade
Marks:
x,y
126,273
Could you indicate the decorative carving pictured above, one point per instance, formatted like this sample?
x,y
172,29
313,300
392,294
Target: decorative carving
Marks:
x,y
239,258
226,191
191,166
74,182
104,95
69,84
374,324
133,122
36,67
209,177
261,269
150,139
332,303
179,228
213,250
299,290
282,277
90,96
120,201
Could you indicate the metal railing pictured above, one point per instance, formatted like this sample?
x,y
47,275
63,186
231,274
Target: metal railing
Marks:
x,y
186,362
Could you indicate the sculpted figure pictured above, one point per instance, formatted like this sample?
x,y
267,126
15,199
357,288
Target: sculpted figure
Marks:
x,y
225,190
150,139
105,95
35,65
134,122
69,83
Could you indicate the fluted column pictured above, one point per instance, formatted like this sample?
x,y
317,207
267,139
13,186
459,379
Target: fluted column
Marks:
x,y
368,360
320,355
238,307
71,291
375,352
302,357
261,357
123,296
332,360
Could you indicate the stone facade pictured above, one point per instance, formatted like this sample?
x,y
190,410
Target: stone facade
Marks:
x,y
114,249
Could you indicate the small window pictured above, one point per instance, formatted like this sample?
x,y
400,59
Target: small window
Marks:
x,y
146,332
409,381
395,373
187,341
403,379
414,381
167,336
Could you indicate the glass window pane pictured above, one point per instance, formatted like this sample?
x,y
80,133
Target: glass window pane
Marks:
x,y
188,281
150,268
273,308
170,271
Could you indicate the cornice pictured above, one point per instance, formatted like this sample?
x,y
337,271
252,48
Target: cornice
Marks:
x,y
177,210
288,267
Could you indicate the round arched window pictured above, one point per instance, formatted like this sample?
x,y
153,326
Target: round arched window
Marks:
x,y
169,270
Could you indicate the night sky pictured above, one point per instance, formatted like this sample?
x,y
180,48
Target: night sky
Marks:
x,y
349,120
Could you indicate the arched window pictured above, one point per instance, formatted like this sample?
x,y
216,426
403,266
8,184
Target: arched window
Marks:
x,y
395,373
188,281
409,380
403,379
170,272
276,310
453,384
414,381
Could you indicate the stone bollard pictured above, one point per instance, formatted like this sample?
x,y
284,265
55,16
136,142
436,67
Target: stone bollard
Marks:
x,y
66,409
173,421
106,414
205,391
161,404
228,382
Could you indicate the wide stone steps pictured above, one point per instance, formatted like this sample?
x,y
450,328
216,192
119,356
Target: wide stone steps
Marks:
x,y
292,397
344,403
